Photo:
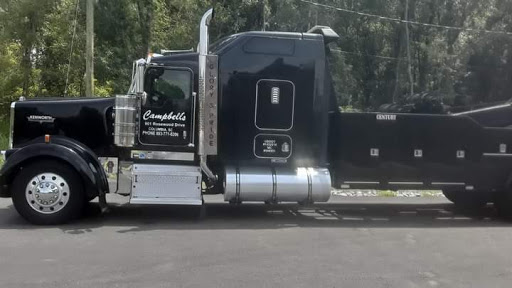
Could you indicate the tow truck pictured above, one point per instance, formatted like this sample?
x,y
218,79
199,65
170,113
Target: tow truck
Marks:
x,y
254,117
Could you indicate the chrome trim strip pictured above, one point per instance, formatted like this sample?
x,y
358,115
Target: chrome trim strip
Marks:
x,y
194,98
11,125
162,155
482,109
210,105
405,183
361,182
449,183
166,201
237,184
498,154
310,186
203,52
256,105
274,184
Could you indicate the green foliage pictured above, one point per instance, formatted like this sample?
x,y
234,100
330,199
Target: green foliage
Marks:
x,y
386,193
4,134
368,63
10,75
348,108
462,67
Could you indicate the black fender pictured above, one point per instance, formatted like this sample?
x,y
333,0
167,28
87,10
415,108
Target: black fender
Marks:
x,y
72,152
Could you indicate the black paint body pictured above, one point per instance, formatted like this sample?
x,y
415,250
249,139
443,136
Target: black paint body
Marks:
x,y
251,65
439,137
86,120
295,58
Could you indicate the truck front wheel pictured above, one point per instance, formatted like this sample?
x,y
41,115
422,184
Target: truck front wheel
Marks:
x,y
48,192
467,199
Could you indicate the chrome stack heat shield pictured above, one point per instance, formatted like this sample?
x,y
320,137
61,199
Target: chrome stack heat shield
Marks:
x,y
125,119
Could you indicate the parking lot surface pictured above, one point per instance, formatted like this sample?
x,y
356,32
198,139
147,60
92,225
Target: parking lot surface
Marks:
x,y
348,242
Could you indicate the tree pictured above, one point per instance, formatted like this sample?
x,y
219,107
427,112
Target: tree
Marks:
x,y
40,56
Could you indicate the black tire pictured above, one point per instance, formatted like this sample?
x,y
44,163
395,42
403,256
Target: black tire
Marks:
x,y
467,199
503,204
200,212
75,199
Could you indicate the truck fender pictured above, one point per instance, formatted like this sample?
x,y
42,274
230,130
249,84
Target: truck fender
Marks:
x,y
75,154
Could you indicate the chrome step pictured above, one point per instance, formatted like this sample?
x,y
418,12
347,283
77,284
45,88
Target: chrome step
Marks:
x,y
166,184
169,201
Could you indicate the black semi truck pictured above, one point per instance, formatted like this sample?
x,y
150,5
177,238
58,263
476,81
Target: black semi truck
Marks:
x,y
253,117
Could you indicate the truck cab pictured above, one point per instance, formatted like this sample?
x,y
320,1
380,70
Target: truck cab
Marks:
x,y
245,116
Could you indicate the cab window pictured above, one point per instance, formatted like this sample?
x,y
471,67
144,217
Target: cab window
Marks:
x,y
166,87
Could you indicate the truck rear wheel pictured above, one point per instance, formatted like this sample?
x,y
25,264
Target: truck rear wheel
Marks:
x,y
48,192
503,204
467,199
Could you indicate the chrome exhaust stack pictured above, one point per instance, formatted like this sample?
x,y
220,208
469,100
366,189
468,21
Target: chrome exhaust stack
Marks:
x,y
207,145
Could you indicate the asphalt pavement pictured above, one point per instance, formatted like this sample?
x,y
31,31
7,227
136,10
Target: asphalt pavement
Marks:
x,y
348,242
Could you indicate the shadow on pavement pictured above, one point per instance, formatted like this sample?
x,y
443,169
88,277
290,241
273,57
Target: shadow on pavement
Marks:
x,y
135,218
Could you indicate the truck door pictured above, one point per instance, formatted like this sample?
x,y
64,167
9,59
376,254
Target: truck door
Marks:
x,y
167,114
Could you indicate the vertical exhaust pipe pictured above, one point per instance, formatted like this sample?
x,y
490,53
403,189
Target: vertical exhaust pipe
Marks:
x,y
203,51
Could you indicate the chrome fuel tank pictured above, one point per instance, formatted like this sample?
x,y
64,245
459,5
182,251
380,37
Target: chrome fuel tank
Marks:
x,y
304,185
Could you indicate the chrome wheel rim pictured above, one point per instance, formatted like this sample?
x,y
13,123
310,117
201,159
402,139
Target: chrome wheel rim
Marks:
x,y
47,193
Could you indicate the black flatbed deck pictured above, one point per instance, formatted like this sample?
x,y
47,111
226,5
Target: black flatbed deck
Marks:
x,y
420,151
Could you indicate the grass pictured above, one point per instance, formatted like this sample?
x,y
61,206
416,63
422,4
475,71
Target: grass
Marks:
x,y
430,193
386,193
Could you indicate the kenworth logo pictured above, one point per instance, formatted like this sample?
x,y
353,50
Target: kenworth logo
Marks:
x,y
40,118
